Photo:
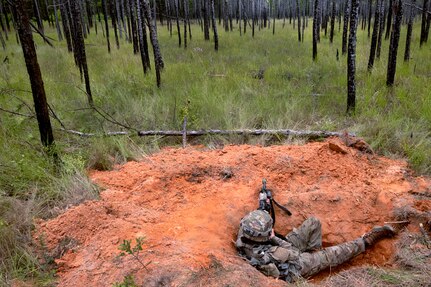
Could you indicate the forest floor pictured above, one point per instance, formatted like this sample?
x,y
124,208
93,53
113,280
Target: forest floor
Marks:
x,y
187,203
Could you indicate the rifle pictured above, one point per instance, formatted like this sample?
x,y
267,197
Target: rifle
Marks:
x,y
266,201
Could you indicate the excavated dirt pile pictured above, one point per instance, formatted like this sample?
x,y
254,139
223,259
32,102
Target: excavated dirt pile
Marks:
x,y
187,203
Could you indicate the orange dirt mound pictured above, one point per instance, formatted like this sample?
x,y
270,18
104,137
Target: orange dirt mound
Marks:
x,y
187,203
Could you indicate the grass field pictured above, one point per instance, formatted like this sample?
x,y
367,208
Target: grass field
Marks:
x,y
215,89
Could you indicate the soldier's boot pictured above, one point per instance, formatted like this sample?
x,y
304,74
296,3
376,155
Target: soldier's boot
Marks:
x,y
378,233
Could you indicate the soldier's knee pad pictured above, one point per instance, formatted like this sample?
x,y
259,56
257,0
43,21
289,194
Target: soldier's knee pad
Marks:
x,y
314,221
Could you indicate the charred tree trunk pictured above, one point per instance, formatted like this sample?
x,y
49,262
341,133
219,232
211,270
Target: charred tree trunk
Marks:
x,y
351,58
214,24
315,28
38,17
298,14
57,24
370,11
66,26
3,43
205,11
389,22
79,48
143,45
133,22
4,28
409,33
424,23
345,26
397,7
381,29
331,32
105,15
177,13
374,37
112,10
34,73
186,15
158,59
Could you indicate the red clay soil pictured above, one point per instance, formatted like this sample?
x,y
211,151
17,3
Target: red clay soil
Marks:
x,y
187,203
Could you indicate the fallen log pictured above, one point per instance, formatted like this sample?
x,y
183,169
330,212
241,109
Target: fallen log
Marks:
x,y
286,132
86,135
256,132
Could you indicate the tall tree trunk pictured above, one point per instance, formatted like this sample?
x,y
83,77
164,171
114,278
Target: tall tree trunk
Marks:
x,y
158,59
57,24
345,26
133,22
214,24
205,10
389,22
142,35
113,13
298,14
34,73
66,26
38,17
381,28
331,33
374,37
315,28
3,12
226,15
370,11
351,58
177,13
79,48
105,15
395,39
186,15
424,23
409,33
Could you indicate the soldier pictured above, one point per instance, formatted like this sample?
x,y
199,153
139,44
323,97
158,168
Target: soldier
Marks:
x,y
292,257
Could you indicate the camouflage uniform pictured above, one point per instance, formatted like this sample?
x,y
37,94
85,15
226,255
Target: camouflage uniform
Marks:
x,y
293,257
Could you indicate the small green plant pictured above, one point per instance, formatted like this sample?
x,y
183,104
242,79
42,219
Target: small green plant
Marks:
x,y
126,248
128,281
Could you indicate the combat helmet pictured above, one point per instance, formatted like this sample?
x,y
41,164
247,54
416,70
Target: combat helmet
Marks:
x,y
257,226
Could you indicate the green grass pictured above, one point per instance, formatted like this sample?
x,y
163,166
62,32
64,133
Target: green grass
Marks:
x,y
217,89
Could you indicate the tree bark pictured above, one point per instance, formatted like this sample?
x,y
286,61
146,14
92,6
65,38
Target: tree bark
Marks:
x,y
66,26
177,13
158,59
370,11
331,32
381,29
298,15
389,22
206,13
34,73
105,15
345,26
214,24
424,23
38,17
351,58
315,28
134,33
79,48
409,33
374,37
142,35
395,38
112,10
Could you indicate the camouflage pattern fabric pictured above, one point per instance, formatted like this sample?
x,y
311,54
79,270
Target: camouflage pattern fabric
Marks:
x,y
294,257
